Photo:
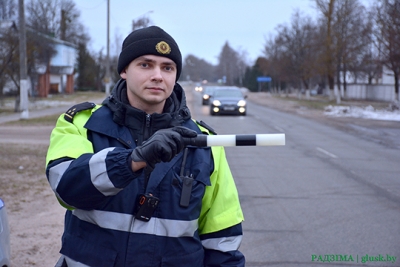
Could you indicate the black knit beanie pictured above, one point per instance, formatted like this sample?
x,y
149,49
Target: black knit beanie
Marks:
x,y
149,41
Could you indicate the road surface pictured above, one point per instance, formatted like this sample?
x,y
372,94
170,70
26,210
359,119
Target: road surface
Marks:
x,y
327,198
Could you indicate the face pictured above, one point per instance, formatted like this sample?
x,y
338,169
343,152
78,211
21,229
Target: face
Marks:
x,y
150,80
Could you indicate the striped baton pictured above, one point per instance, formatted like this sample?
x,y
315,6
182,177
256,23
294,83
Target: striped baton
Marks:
x,y
237,140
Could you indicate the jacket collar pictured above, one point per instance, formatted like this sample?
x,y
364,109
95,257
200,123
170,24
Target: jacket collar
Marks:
x,y
140,124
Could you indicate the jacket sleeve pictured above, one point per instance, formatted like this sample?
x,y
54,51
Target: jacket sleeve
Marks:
x,y
79,177
221,248
221,216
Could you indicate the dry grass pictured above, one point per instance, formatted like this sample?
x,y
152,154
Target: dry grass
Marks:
x,y
7,104
22,169
42,121
34,215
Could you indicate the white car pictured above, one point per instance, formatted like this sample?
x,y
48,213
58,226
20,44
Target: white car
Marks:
x,y
4,237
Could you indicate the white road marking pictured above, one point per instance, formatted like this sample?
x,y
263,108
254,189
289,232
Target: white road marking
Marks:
x,y
278,129
327,153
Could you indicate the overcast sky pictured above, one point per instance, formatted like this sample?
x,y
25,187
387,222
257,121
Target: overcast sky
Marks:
x,y
200,28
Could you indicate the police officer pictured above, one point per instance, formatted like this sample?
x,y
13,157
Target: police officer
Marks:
x,y
134,194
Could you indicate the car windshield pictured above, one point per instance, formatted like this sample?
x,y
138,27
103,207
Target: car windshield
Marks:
x,y
208,90
227,93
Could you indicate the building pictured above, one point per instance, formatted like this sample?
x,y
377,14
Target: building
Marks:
x,y
58,75
53,77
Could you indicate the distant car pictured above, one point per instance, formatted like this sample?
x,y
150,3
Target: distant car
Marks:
x,y
4,237
228,101
207,94
198,88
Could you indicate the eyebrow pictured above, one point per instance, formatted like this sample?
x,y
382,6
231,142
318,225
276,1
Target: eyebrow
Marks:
x,y
152,61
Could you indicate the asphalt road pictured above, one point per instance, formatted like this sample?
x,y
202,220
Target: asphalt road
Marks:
x,y
326,198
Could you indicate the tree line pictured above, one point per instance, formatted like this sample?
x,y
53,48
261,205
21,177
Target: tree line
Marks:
x,y
346,41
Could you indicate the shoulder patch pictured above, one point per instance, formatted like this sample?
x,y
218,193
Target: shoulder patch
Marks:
x,y
71,112
205,125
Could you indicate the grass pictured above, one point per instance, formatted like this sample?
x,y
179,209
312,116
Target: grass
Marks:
x,y
42,121
7,106
320,102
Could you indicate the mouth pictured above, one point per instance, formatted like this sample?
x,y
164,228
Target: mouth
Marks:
x,y
154,88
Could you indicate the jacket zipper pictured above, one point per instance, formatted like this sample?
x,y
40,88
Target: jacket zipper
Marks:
x,y
146,133
146,136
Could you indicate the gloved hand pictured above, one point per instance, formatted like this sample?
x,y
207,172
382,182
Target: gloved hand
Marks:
x,y
163,145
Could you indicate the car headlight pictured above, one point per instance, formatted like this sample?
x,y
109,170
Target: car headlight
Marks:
x,y
241,103
206,97
216,103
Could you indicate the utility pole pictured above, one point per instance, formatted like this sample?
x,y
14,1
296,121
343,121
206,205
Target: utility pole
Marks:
x,y
23,80
107,79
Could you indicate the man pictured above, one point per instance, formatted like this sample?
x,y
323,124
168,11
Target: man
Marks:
x,y
135,194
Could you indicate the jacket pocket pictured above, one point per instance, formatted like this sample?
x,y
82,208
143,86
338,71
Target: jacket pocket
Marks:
x,y
194,181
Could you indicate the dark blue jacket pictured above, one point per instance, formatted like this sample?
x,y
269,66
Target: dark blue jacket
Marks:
x,y
88,167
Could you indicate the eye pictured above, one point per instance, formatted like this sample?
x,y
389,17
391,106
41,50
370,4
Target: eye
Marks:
x,y
169,68
144,64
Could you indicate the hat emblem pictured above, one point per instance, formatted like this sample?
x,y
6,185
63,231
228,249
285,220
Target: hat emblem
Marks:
x,y
163,48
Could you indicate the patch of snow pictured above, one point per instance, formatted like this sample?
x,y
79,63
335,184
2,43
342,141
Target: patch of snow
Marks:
x,y
392,113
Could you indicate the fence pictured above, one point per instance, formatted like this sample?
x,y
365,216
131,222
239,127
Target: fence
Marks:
x,y
380,92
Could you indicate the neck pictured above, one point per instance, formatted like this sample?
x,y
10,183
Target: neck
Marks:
x,y
148,108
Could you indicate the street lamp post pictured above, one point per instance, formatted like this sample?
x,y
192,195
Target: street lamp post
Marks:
x,y
23,80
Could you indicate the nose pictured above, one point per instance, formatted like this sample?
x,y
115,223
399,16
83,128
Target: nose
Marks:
x,y
157,75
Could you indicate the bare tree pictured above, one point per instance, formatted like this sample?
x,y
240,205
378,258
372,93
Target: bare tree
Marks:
x,y
38,51
141,22
230,64
388,36
326,7
276,63
9,54
196,69
8,40
8,9
43,16
350,37
71,29
365,61
298,41
292,55
56,18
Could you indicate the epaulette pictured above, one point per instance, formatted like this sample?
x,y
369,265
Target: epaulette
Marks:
x,y
205,125
71,112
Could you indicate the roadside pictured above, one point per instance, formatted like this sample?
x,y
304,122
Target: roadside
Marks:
x,y
44,107
36,219
385,132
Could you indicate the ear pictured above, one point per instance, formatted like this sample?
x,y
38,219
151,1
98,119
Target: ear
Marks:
x,y
123,74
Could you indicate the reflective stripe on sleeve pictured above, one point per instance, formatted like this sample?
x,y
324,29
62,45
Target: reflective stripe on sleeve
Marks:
x,y
99,175
223,244
56,172
127,223
71,263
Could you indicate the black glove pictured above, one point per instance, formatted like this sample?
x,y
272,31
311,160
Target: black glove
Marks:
x,y
163,145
